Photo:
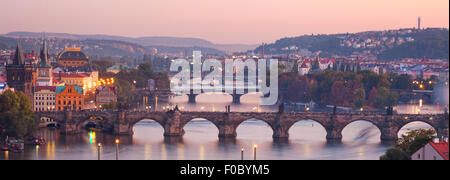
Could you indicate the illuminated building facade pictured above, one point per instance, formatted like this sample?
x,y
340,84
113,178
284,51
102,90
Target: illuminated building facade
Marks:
x,y
69,97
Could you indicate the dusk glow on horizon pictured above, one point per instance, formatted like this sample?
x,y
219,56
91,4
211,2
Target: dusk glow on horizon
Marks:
x,y
219,21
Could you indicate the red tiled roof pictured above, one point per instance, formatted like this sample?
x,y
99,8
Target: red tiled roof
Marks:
x,y
50,88
74,75
441,148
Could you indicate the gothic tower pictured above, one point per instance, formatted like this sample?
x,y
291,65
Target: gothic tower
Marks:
x,y
19,74
44,70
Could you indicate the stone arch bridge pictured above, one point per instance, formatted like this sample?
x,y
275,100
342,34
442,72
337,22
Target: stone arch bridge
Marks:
x,y
173,122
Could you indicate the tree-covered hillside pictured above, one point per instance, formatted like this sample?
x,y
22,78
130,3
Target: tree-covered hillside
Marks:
x,y
430,43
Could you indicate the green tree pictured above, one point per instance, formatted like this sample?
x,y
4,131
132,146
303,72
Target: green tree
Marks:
x,y
409,144
395,154
359,98
146,68
414,140
102,66
16,115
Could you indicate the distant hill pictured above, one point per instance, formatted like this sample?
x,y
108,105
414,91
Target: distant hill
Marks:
x,y
430,43
144,41
2,46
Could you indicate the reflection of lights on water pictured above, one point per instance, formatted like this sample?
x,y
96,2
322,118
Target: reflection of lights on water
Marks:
x,y
180,152
202,152
163,152
421,102
148,152
307,150
361,153
6,155
92,137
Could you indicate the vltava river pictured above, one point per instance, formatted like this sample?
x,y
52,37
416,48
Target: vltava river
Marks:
x,y
361,140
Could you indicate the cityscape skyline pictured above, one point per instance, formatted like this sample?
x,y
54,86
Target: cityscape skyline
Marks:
x,y
213,22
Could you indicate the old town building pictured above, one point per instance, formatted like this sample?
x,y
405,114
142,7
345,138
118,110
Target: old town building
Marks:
x,y
105,95
44,98
69,97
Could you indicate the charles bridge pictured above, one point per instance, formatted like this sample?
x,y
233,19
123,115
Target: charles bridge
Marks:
x,y
173,122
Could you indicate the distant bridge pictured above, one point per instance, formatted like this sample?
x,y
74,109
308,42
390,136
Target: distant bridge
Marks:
x,y
426,95
173,122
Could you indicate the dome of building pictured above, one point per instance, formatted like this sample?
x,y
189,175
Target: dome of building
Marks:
x,y
72,54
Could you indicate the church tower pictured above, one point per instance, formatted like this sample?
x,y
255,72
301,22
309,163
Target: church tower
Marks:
x,y
44,70
19,74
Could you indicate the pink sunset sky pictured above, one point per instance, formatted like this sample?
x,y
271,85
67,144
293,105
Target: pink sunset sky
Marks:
x,y
219,21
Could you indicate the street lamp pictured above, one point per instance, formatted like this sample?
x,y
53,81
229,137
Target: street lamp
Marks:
x,y
99,145
117,149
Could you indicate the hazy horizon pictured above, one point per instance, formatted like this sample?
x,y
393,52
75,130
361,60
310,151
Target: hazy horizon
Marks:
x,y
219,21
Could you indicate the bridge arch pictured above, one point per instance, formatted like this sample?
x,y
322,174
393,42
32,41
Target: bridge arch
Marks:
x,y
215,122
146,127
242,122
100,121
208,127
369,129
293,128
133,122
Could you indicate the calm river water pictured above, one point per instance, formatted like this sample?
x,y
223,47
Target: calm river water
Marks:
x,y
361,140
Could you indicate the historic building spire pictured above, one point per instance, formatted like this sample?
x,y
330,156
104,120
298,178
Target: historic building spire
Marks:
x,y
44,55
44,70
19,58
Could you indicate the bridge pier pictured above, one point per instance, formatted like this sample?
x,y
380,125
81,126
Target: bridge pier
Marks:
x,y
237,98
69,129
68,126
334,130
389,130
173,126
334,135
227,132
280,134
192,98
